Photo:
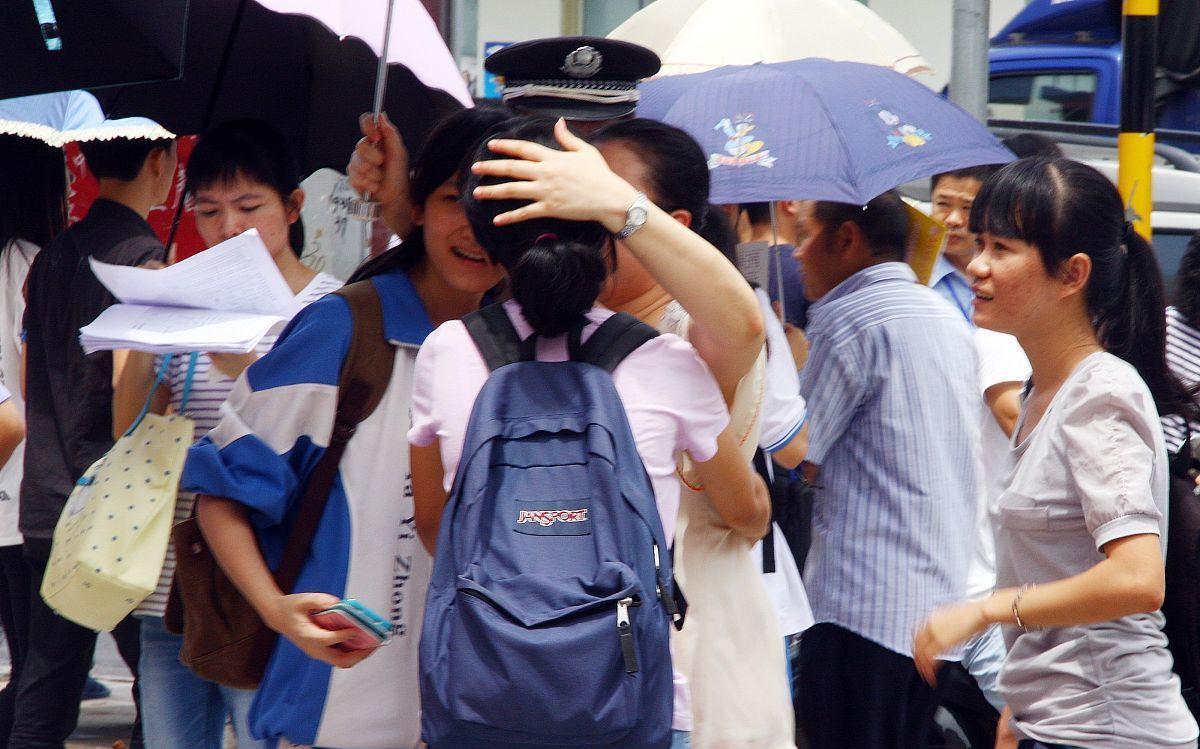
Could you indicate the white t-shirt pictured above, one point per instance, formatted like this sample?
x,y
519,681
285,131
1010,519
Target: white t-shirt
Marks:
x,y
1001,359
15,259
783,415
1092,470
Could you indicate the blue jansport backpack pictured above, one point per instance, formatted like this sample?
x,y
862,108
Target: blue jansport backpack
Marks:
x,y
547,618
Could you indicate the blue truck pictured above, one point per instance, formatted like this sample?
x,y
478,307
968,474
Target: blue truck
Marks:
x,y
1060,61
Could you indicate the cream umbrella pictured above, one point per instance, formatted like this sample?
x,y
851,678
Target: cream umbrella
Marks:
x,y
692,36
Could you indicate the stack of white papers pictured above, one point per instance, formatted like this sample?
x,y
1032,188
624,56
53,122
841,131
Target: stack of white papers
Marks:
x,y
222,300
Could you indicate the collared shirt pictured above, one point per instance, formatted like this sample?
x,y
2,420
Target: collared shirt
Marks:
x,y
68,404
953,286
890,385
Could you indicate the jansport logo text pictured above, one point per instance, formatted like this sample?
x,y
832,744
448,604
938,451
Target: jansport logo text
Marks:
x,y
546,518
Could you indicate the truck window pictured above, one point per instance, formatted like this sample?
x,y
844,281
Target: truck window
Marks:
x,y
1055,97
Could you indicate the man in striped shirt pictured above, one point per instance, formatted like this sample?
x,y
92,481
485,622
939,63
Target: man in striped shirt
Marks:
x,y
893,441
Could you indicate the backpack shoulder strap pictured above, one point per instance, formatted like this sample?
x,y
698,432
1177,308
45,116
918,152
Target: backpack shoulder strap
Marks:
x,y
495,337
616,338
363,380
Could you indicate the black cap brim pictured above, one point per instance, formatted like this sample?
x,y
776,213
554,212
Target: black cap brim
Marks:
x,y
582,111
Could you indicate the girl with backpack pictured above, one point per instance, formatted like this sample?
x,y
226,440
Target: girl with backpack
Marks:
x,y
558,248
1083,520
240,176
251,470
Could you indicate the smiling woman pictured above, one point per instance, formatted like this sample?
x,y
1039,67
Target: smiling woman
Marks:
x,y
1082,518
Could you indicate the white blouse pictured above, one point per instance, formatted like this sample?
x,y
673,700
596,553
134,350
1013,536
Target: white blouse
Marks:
x,y
1093,470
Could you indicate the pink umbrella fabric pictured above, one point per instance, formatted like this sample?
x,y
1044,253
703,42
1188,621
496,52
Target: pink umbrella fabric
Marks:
x,y
415,40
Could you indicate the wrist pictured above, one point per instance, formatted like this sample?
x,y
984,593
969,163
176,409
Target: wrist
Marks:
x,y
615,214
997,608
272,612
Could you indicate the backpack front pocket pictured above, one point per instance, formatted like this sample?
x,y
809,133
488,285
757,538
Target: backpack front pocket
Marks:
x,y
567,670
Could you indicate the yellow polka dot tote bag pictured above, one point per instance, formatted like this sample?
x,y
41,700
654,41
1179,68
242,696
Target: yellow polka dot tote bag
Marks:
x,y
111,539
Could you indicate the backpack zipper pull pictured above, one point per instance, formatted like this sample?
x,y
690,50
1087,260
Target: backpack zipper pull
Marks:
x,y
625,632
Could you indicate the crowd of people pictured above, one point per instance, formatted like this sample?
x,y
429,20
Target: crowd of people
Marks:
x,y
975,476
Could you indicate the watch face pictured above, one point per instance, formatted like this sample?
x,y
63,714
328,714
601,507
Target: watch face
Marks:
x,y
638,215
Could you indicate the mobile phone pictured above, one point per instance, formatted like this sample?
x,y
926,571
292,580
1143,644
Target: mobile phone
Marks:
x,y
371,630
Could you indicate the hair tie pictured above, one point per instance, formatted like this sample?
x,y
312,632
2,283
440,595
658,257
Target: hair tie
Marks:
x,y
548,235
1128,232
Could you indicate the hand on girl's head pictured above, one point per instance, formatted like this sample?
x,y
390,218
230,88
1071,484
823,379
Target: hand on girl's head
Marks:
x,y
575,183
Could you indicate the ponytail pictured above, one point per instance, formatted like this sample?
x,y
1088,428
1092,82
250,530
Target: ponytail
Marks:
x,y
1133,326
556,281
1062,208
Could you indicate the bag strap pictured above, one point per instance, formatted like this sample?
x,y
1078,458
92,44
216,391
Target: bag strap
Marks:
x,y
158,379
616,338
187,381
496,338
762,466
362,383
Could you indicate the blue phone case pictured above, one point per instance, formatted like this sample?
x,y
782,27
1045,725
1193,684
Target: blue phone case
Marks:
x,y
365,616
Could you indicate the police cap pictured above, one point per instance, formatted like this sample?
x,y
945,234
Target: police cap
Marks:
x,y
577,77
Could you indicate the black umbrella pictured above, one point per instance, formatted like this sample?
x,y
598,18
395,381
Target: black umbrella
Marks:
x,y
287,70
58,45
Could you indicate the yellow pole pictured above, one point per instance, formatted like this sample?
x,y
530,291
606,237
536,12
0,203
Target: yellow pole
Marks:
x,y
1135,144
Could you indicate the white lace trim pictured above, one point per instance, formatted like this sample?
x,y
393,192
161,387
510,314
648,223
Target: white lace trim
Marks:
x,y
106,131
594,95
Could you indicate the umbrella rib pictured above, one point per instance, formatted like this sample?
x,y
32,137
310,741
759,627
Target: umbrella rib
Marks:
x,y
836,131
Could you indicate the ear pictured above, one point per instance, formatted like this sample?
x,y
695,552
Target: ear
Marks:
x,y
848,239
682,216
157,162
294,203
418,215
790,208
1074,274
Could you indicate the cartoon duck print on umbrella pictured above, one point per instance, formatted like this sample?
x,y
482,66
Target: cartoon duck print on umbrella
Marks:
x,y
743,149
898,131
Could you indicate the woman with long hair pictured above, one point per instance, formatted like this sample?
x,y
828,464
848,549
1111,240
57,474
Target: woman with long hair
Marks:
x,y
33,209
251,469
1082,521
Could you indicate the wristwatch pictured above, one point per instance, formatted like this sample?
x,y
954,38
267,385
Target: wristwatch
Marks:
x,y
635,216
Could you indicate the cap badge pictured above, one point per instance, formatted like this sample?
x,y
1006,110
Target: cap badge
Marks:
x,y
584,62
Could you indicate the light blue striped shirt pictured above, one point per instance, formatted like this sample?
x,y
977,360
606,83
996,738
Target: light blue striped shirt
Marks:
x,y
891,387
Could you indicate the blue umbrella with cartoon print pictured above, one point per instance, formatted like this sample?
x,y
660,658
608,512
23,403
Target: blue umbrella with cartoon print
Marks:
x,y
817,129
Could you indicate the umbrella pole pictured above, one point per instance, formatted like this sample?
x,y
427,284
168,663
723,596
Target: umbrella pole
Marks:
x,y
211,106
778,262
381,73
365,210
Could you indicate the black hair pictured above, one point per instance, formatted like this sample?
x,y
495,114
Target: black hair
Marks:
x,y
33,192
1026,145
556,268
758,214
250,149
452,140
1062,208
1188,283
678,171
717,231
979,173
883,221
121,158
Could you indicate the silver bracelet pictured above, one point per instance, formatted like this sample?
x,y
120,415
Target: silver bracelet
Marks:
x,y
1016,603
